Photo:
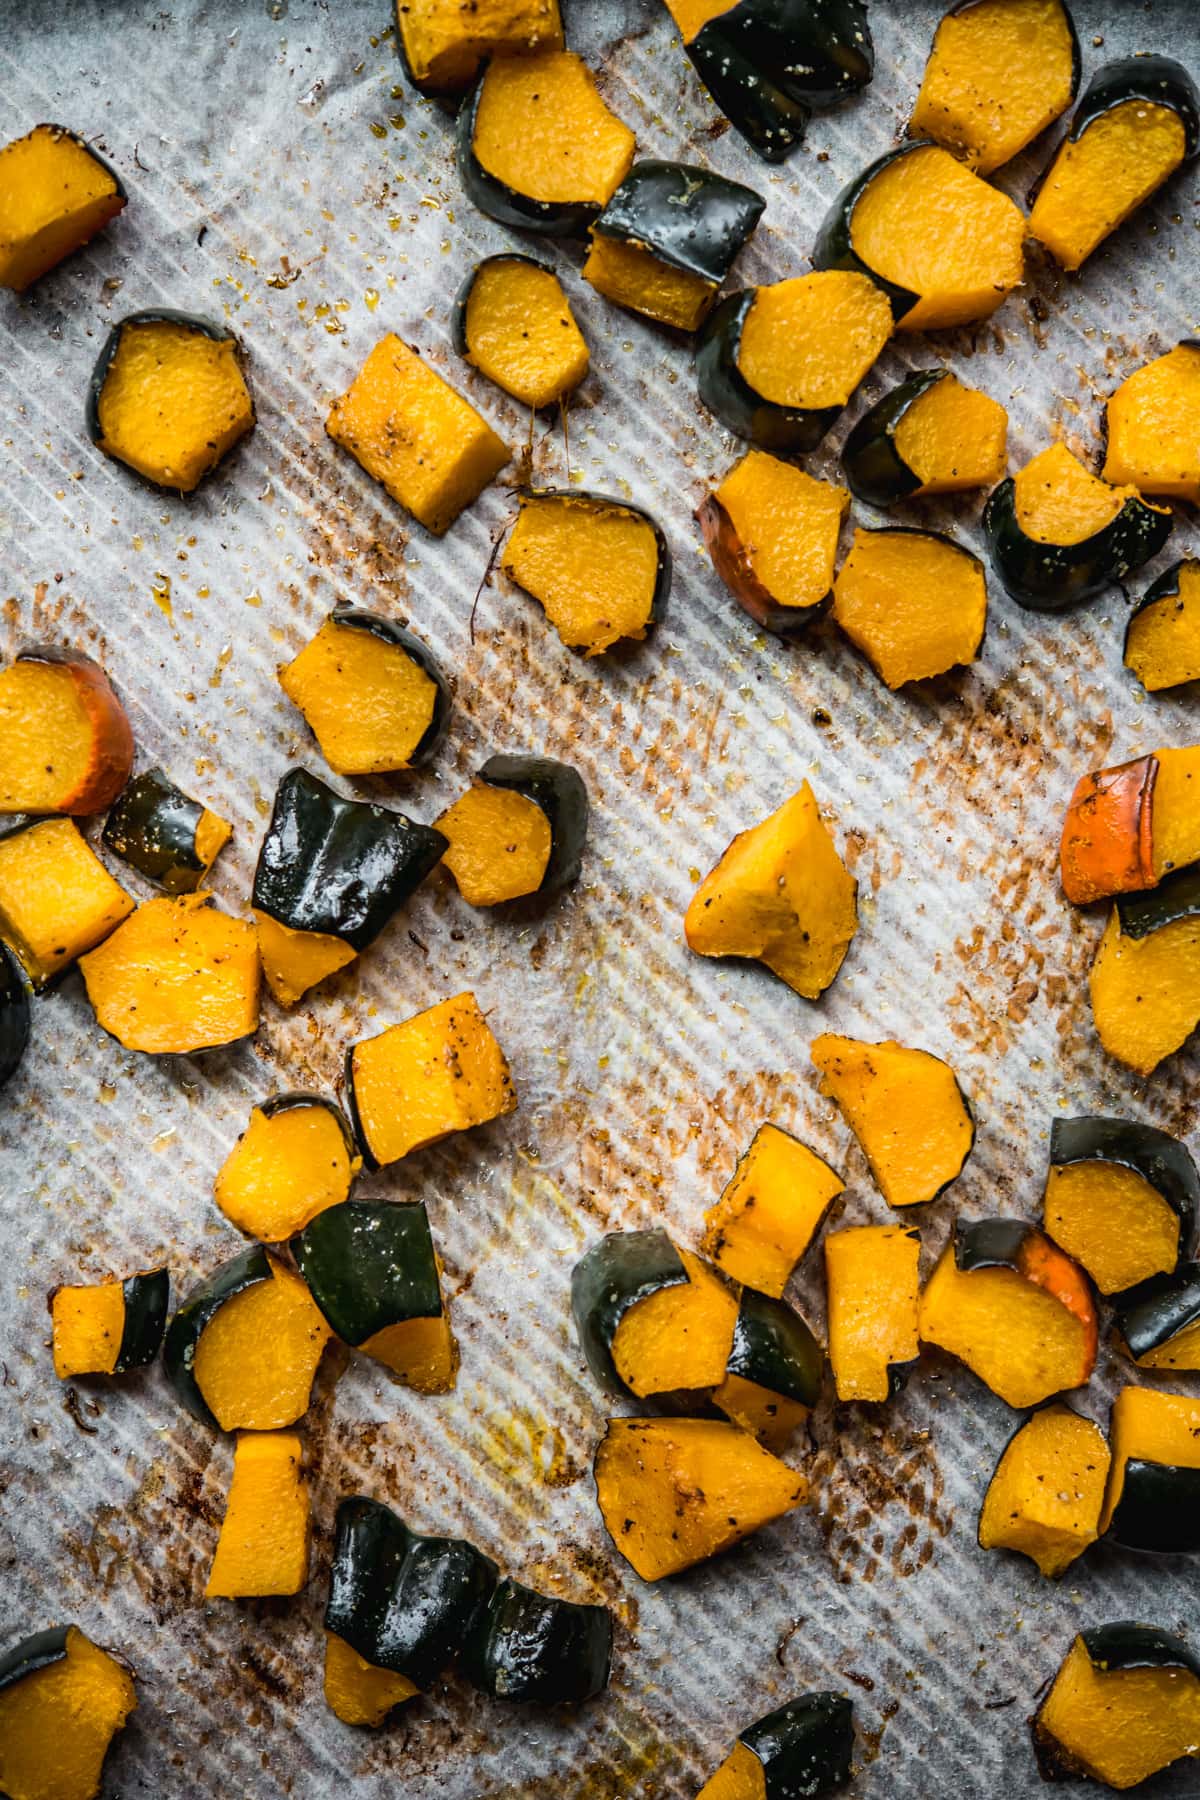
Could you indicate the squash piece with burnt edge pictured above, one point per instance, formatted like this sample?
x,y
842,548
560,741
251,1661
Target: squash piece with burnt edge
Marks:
x,y
914,602
1152,426
109,1327
780,895
14,1015
1138,120
772,532
356,1692
890,223
1122,1198
804,1747
872,1284
999,72
770,1210
1129,826
1047,1489
538,1649
263,1546
538,149
1057,534
168,397
1125,1704
1145,981
371,693
243,1348
443,42
518,830
331,874
177,976
906,1108
674,1492
62,1701
773,1376
415,435
1162,639
65,743
56,193
770,64
513,322
1153,1496
929,435
652,1321
777,364
163,834
599,568
667,240
417,1082
372,1269
57,900
1014,1308
296,1157
1158,1322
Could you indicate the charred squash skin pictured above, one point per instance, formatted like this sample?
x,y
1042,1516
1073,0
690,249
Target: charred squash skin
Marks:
x,y
537,1649
198,1310
1168,587
14,1015
1152,1314
776,1353
559,791
1153,1497
159,831
1054,578
1111,1649
111,758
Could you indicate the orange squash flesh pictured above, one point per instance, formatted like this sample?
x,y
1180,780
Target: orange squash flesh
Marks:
x,y
953,437
542,129
1146,992
677,1338
177,976
772,1418
1098,180
773,529
65,743
632,276
286,1167
1153,427
500,843
741,1776
1162,645
999,72
1112,1222
591,565
57,900
1120,1725
258,1354
87,1327
356,1691
174,401
263,1546
294,961
421,1353
367,703
1107,841
929,225
906,1109
691,16
1058,501
415,435
1045,1496
809,341
1149,1426
521,332
914,604
770,1211
782,895
1176,809
445,41
56,1725
438,1072
872,1285
54,197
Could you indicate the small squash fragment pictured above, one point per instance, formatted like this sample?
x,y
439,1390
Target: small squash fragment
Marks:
x,y
770,1211
781,895
57,900
772,532
1153,1497
1162,640
1124,1704
500,843
62,1701
1145,980
294,961
263,1546
952,437
440,1071
907,1110
999,72
872,1285
514,323
355,1690
66,745
1152,426
674,1492
371,694
1158,1323
914,602
165,835
411,432
804,1747
257,1356
176,977
443,42
109,1327
1046,1492
296,1157
56,193
678,1337
600,569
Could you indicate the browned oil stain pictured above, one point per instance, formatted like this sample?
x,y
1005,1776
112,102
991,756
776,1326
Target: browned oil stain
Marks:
x,y
877,1497
872,1739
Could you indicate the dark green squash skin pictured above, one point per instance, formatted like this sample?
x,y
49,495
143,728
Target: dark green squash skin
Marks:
x,y
1159,1509
989,1243
1176,897
202,1304
462,300
559,791
1111,1648
1160,1159
875,471
684,216
773,1346
726,392
1168,585
41,1650
357,618
339,867
805,1746
663,570
152,826
208,328
1158,1309
770,64
370,1264
147,1297
14,1015
1159,79
834,248
403,1601
618,1271
533,1648
1053,578
521,212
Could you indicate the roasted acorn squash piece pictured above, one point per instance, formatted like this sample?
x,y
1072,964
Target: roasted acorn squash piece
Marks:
x,y
872,1285
415,435
356,1691
518,830
62,1701
109,1327
1145,981
14,1015
514,323
56,193
296,1157
168,397
773,1375
652,1321
1128,826
772,532
599,568
780,895
443,42
177,976
914,602
1162,639
999,72
1153,1496
911,1118
1124,1704
1158,1322
163,834
1138,120
57,900
1047,1489
538,1649
929,435
770,1211
371,693
263,1546
1152,426
65,743
803,1747
1121,1198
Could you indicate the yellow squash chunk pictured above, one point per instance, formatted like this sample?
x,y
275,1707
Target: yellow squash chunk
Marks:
x,y
356,1691
444,41
779,532
1146,991
929,225
294,961
87,1326
772,1418
287,1166
633,276
741,1776
500,844
57,1723
782,895
1175,809
1153,427
177,976
438,1072
1149,1426
54,196
422,1353
678,1337
173,401
413,433
542,129
258,1354
999,72
1058,501
906,1109
1121,1725
871,1284
65,743
770,1211
367,703
1097,180
521,333
912,602
809,341
57,899
1112,1222
953,437
1162,644
674,1492
263,1546
593,565
1179,1352
1045,1496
